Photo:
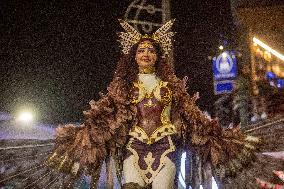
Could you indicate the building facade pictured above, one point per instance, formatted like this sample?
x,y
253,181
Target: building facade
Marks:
x,y
260,28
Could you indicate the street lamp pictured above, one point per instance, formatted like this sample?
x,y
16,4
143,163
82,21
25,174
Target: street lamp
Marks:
x,y
25,117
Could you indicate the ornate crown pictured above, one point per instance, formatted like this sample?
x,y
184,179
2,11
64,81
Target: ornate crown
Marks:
x,y
132,36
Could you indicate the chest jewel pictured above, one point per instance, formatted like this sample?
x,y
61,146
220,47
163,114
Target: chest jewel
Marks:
x,y
149,103
160,92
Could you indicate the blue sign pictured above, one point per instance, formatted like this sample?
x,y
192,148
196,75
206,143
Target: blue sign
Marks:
x,y
280,83
226,86
225,66
270,75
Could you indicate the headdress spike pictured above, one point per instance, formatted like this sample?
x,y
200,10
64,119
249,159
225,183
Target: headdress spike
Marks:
x,y
132,36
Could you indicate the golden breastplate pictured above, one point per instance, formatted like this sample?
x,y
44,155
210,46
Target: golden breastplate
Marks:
x,y
153,112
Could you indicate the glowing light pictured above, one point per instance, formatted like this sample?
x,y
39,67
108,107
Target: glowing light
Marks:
x,y
268,48
221,47
25,117
182,174
224,54
267,56
182,170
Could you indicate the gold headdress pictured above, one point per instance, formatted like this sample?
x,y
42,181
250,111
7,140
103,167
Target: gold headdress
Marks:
x,y
132,36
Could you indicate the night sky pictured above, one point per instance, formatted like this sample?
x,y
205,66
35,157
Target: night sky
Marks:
x,y
55,56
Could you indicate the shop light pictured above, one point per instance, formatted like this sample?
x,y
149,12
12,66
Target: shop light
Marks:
x,y
268,48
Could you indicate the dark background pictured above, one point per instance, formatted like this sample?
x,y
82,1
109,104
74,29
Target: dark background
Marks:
x,y
55,56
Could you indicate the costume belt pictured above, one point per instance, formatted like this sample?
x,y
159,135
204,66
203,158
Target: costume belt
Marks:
x,y
162,131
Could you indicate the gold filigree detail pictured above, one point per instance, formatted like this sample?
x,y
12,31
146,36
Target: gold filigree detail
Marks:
x,y
165,115
75,168
143,93
52,157
149,103
148,70
63,161
167,128
146,44
149,169
163,36
149,160
162,131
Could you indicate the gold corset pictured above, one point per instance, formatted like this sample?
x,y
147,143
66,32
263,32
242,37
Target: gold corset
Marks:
x,y
153,117
165,98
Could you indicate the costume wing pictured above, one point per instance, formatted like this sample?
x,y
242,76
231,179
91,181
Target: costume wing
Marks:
x,y
265,160
84,149
235,156
76,151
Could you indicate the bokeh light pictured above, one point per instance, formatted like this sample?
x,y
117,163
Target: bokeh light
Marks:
x,y
25,117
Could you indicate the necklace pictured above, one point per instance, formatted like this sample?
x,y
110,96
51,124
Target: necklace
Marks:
x,y
148,70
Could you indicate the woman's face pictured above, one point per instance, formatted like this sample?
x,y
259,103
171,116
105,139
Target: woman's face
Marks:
x,y
146,55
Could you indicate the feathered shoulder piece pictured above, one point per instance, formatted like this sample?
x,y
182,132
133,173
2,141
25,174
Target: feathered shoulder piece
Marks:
x,y
105,128
130,37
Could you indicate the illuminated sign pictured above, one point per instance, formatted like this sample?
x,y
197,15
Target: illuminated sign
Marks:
x,y
225,66
226,86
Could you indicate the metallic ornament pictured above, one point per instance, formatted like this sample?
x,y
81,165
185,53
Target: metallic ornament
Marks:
x,y
131,37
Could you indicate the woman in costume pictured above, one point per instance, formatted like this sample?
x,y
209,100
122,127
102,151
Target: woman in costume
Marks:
x,y
146,116
143,121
